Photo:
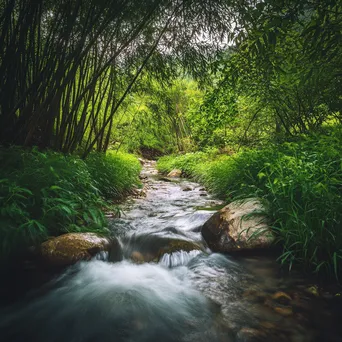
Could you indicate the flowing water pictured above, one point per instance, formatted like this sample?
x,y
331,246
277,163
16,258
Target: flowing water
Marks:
x,y
170,287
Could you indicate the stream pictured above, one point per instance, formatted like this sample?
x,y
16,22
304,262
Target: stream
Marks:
x,y
163,292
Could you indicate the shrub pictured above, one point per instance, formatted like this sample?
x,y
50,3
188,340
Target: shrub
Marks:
x,y
113,173
188,162
44,194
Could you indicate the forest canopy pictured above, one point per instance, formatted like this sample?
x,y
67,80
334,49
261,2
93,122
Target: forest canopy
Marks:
x,y
73,71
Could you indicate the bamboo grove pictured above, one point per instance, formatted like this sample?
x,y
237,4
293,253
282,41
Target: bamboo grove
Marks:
x,y
67,66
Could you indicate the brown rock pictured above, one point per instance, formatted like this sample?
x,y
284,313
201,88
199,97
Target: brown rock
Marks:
x,y
313,290
69,248
176,245
282,297
138,193
137,257
255,296
268,325
151,247
238,226
175,173
284,310
165,179
251,334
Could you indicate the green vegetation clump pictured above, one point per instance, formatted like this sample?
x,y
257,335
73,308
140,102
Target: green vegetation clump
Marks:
x,y
189,162
113,173
46,194
302,183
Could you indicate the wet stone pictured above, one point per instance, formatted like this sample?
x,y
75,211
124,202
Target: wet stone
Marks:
x,y
175,173
313,290
282,298
284,310
238,226
137,257
255,295
251,335
268,325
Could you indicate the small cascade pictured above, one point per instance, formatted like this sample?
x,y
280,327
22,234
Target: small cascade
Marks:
x,y
103,255
179,258
99,301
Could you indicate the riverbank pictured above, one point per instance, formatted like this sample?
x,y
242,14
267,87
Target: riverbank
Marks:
x,y
46,194
301,183
166,291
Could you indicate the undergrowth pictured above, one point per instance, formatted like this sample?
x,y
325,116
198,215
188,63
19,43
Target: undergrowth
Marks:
x,y
45,194
114,173
302,182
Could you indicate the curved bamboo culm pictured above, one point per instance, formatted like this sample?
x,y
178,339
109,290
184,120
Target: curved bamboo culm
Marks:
x,y
68,66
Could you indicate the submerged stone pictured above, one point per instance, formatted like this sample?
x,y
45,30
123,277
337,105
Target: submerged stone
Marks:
x,y
165,179
251,335
152,248
176,245
137,257
284,310
313,290
282,297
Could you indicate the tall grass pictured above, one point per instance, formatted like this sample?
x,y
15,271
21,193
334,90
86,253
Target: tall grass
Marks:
x,y
114,174
188,162
46,194
301,181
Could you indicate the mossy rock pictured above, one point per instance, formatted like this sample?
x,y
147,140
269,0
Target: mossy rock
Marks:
x,y
69,248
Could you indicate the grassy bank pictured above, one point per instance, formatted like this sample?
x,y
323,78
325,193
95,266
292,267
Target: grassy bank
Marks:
x,y
300,180
47,194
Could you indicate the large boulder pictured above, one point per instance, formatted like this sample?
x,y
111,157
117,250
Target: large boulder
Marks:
x,y
238,226
69,248
175,173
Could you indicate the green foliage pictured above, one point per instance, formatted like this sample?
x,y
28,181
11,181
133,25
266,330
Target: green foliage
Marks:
x,y
76,63
114,174
188,162
212,119
44,194
302,182
281,78
156,119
